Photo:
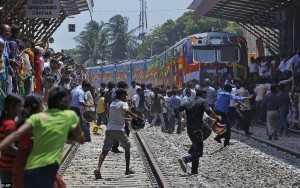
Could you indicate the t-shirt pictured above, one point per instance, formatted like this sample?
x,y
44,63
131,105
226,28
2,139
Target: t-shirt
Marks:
x,y
50,130
136,99
116,115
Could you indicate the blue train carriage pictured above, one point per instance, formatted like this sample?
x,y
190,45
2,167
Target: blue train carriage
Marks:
x,y
109,73
123,72
139,71
94,75
215,55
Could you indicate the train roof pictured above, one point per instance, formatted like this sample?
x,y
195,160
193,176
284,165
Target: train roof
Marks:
x,y
208,34
213,34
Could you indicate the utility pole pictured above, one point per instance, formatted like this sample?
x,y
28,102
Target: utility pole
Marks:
x,y
143,16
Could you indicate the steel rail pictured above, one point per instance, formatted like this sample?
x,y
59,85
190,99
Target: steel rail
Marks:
x,y
158,174
279,147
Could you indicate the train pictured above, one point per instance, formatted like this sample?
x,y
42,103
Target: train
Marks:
x,y
212,55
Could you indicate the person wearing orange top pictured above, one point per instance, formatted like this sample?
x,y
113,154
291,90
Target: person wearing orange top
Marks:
x,y
37,70
13,105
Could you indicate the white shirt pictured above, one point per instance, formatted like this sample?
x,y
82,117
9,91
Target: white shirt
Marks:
x,y
132,92
136,100
165,105
261,91
88,98
282,66
27,66
232,102
211,94
116,115
263,67
244,93
253,67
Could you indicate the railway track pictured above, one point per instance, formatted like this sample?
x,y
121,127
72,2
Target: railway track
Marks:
x,y
154,159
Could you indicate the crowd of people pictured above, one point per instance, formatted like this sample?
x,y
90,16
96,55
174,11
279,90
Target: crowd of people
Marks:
x,y
35,98
58,104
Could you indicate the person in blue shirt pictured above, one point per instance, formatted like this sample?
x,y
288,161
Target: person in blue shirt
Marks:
x,y
221,109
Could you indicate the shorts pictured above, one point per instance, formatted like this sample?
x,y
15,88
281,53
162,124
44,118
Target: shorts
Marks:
x,y
110,138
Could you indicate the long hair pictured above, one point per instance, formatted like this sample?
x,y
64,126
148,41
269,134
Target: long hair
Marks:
x,y
32,105
10,100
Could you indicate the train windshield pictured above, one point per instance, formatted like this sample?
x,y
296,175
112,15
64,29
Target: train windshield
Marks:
x,y
204,55
228,54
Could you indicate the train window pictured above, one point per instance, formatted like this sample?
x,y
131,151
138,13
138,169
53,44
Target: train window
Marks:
x,y
228,54
204,55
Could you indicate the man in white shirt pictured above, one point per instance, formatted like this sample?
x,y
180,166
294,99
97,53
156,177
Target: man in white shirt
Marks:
x,y
211,94
261,91
132,91
118,110
245,110
253,68
136,98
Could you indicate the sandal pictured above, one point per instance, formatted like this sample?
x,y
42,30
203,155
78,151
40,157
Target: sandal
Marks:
x,y
129,172
97,174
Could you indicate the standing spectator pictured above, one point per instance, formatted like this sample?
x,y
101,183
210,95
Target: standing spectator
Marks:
x,y
101,112
272,105
284,103
78,102
157,109
108,95
253,68
14,56
174,103
245,110
37,71
229,79
132,92
4,49
13,105
261,91
211,93
165,109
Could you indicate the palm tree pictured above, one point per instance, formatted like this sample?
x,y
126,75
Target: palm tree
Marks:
x,y
123,43
93,43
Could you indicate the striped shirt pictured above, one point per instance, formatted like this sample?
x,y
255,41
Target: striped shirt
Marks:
x,y
6,158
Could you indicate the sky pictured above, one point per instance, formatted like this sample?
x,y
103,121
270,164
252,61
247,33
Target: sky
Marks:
x,y
158,12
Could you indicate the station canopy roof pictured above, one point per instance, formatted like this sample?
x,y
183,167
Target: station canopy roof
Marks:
x,y
40,29
262,18
256,12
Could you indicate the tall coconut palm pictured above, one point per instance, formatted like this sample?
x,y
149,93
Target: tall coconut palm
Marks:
x,y
93,43
123,43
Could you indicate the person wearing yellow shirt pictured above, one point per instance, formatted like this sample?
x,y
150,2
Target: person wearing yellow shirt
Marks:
x,y
101,113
